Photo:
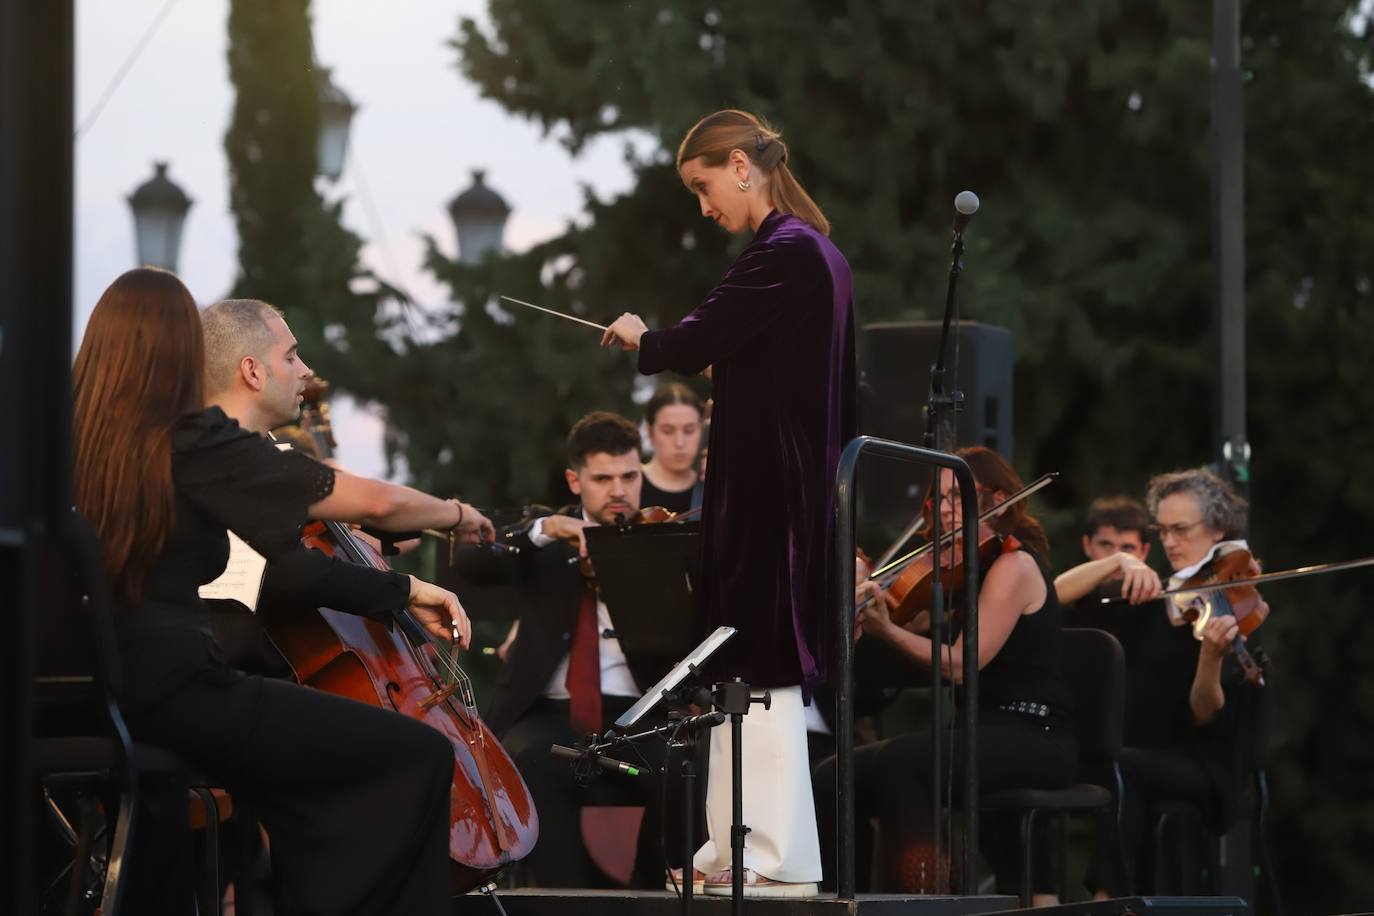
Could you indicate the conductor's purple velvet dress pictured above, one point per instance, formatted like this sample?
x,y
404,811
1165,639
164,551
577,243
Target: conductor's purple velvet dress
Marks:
x,y
779,334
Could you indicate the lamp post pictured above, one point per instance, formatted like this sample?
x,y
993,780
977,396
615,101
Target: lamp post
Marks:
x,y
479,218
336,115
159,213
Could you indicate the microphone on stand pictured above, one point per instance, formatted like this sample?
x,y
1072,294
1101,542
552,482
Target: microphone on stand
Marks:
x,y
965,205
583,758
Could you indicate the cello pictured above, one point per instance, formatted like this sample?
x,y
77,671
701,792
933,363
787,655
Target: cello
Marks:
x,y
393,664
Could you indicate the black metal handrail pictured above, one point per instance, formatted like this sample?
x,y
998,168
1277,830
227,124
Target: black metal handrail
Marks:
x,y
843,577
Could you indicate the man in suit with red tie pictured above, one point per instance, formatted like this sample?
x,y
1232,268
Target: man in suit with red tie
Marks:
x,y
565,674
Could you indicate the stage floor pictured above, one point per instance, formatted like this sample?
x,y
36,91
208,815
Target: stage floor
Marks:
x,y
545,902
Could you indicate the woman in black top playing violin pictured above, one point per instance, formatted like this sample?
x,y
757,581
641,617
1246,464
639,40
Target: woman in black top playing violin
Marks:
x,y
1025,733
1190,714
355,799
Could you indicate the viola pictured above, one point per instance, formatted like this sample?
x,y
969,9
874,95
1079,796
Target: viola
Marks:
x,y
910,580
912,590
395,665
1239,600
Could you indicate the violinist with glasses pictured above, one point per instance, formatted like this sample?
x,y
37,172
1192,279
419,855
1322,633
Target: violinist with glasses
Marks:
x,y
1190,701
1025,735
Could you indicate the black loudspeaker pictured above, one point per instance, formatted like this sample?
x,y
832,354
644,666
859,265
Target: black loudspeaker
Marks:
x,y
1145,906
895,359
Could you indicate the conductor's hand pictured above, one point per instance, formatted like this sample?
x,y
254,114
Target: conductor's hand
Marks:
x,y
569,529
625,331
438,611
1139,583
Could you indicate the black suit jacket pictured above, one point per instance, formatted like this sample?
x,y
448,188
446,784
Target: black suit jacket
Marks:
x,y
552,587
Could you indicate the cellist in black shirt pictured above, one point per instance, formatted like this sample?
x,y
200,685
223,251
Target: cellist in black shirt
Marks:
x,y
255,373
355,799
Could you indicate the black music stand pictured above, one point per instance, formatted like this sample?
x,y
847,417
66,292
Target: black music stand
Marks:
x,y
648,575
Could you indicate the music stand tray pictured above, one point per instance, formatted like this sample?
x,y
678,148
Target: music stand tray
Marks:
x,y
679,673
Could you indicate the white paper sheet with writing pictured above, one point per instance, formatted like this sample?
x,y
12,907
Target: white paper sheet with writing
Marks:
x,y
242,577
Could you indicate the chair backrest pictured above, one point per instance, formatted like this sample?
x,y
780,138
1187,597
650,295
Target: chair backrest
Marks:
x,y
78,668
1095,672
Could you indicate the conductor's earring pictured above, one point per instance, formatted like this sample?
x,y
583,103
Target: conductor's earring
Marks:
x,y
745,185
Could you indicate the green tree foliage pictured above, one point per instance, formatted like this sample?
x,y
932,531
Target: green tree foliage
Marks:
x,y
1082,124
294,251
1084,127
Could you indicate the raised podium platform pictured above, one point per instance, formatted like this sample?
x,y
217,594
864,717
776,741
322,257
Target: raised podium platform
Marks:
x,y
547,902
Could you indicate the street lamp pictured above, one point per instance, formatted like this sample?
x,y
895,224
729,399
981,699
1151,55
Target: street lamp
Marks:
x,y
336,114
159,213
479,217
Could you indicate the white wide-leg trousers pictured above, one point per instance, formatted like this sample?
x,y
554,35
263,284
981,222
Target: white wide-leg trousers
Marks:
x,y
778,808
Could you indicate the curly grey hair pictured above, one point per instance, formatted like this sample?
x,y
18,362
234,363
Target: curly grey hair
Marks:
x,y
1222,508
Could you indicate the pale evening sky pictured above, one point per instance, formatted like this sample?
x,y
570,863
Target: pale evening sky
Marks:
x,y
419,131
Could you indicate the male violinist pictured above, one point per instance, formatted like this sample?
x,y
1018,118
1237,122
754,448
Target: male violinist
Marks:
x,y
1116,544
1190,715
254,373
565,674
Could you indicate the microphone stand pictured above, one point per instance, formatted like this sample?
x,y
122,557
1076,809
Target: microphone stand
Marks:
x,y
942,409
679,732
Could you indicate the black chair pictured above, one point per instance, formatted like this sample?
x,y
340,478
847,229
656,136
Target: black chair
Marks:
x,y
1095,671
1189,822
82,748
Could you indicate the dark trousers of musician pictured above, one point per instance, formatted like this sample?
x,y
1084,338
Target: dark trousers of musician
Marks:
x,y
1151,776
892,785
560,858
355,799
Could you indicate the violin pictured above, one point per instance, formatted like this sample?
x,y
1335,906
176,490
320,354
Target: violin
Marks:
x,y
912,590
911,580
396,665
1237,599
1236,580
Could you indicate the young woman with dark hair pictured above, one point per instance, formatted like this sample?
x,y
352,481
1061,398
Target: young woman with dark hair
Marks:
x,y
778,332
1025,730
676,421
354,798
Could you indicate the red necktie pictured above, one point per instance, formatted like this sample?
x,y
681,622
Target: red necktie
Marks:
x,y
584,669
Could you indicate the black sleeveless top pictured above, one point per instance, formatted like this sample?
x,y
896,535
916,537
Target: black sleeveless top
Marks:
x,y
225,477
1029,666
650,495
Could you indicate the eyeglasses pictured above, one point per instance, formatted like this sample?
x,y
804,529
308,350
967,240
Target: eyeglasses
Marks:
x,y
1179,531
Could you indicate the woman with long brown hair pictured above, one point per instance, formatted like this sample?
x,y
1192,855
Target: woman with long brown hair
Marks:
x,y
354,799
778,333
1025,729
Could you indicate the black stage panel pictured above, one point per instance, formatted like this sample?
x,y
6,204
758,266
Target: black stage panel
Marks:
x,y
1150,906
548,902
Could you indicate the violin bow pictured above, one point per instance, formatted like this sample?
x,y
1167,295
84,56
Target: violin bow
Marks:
x,y
1296,573
900,542
1034,487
